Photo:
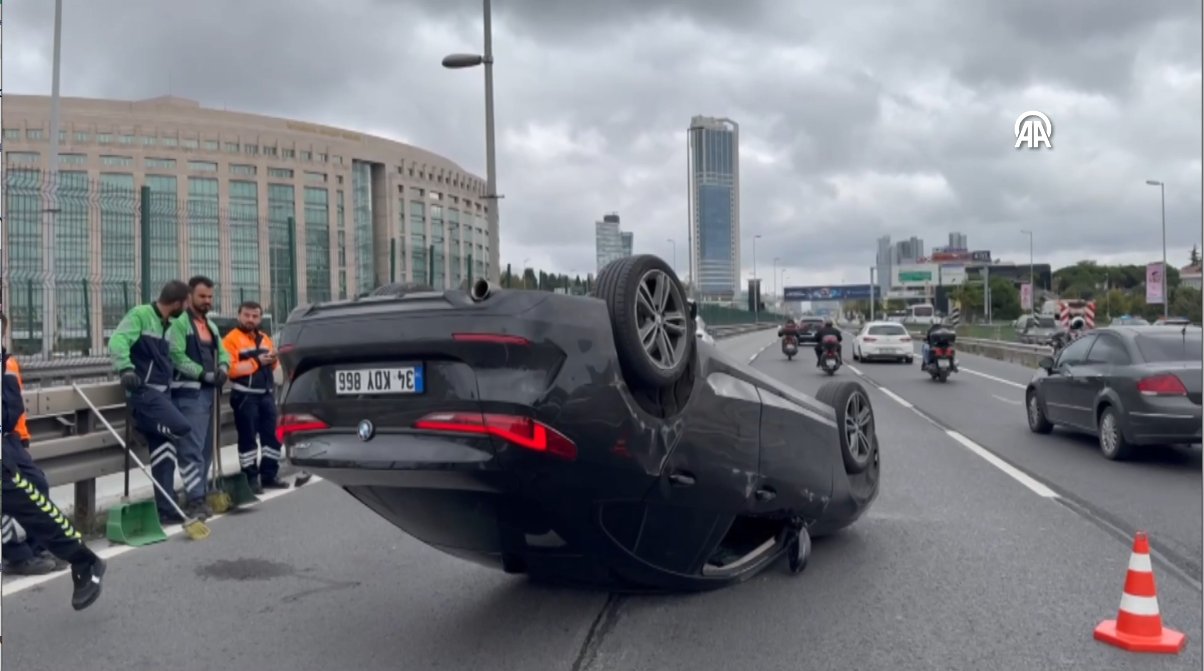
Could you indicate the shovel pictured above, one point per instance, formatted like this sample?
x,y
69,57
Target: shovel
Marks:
x,y
218,499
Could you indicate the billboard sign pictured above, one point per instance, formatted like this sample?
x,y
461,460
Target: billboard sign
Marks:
x,y
952,274
1155,284
1026,296
839,292
914,275
981,256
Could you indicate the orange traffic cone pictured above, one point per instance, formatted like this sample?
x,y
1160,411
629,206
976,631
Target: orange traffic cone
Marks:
x,y
1138,625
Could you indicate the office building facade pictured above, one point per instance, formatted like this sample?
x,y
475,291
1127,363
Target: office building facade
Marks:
x,y
224,188
713,150
610,242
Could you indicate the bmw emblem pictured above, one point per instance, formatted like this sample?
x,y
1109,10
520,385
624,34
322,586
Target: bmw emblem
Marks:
x,y
366,430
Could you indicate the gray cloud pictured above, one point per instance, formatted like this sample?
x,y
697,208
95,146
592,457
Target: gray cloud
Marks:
x,y
857,120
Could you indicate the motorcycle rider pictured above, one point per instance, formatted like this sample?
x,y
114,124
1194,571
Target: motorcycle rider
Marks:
x,y
790,328
939,325
828,329
1077,328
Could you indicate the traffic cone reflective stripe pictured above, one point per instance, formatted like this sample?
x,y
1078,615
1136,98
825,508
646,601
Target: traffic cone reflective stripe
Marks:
x,y
1138,624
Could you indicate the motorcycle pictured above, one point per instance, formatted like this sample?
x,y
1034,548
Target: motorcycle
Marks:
x,y
829,358
940,355
790,346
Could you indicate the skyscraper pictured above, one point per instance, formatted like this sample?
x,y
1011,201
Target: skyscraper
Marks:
x,y
628,242
609,242
957,241
713,164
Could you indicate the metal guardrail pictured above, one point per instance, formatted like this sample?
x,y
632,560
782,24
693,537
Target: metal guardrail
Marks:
x,y
1012,352
73,447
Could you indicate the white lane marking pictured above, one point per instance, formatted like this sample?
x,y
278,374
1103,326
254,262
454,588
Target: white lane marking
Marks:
x,y
896,398
993,378
761,351
1010,470
854,369
23,583
1007,400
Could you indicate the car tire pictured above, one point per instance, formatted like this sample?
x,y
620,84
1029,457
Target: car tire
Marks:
x,y
400,289
1037,422
629,286
1112,441
855,423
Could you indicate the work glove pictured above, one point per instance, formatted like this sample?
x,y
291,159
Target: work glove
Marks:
x,y
130,379
216,379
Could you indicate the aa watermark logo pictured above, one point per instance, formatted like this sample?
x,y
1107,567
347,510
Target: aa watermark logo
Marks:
x,y
1034,129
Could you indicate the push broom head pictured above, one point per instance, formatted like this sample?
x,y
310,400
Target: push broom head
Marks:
x,y
196,529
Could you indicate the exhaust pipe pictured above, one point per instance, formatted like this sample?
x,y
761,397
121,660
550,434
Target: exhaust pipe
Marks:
x,y
480,290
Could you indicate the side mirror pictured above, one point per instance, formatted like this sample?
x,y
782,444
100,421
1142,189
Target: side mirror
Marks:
x,y
1046,362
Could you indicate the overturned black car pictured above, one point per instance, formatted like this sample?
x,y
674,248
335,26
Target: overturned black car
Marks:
x,y
581,440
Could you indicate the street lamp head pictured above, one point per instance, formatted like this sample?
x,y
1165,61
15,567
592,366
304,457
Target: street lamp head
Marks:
x,y
1153,182
456,61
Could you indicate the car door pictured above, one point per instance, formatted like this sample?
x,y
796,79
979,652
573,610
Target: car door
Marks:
x,y
1095,374
708,478
1058,389
794,464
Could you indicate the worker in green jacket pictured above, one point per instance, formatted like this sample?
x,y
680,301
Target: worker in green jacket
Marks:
x,y
142,357
202,366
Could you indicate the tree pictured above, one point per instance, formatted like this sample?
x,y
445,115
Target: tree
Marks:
x,y
1005,300
1195,255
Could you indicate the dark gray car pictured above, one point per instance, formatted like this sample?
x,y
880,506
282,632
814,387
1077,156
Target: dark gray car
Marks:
x,y
1128,385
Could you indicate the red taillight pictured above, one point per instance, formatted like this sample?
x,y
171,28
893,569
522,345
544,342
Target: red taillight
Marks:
x,y
297,423
1162,385
870,339
522,431
494,338
905,339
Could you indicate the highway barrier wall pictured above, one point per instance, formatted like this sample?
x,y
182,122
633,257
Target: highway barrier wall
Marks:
x,y
73,447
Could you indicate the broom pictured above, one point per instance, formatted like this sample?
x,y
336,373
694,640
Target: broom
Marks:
x,y
219,498
195,528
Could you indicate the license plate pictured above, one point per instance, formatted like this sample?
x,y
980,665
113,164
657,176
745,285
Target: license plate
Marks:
x,y
398,380
942,363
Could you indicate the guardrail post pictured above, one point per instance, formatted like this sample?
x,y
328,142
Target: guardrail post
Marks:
x,y
85,490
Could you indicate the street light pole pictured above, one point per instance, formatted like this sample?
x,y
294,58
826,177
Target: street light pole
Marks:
x,y
756,286
49,238
1032,288
457,61
1166,294
872,269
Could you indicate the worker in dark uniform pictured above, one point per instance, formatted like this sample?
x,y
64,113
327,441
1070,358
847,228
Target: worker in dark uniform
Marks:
x,y
253,360
24,557
43,522
142,356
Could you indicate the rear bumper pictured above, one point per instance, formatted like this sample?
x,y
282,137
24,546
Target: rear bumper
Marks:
x,y
1158,428
870,351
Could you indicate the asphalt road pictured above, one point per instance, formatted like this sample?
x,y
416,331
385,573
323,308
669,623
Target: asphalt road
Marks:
x,y
1159,491
957,566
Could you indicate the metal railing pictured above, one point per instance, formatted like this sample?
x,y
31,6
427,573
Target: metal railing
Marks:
x,y
73,447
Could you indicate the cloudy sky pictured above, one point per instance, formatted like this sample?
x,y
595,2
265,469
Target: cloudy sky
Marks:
x,y
858,119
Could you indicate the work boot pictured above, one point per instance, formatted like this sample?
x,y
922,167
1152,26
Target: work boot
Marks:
x,y
87,579
273,484
169,517
59,564
198,509
32,566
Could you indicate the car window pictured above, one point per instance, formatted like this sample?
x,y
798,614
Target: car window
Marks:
x,y
887,330
1173,346
924,311
1046,322
1076,352
1108,350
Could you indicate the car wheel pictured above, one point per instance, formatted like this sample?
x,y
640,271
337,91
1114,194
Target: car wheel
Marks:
x,y
1111,439
856,353
1037,423
400,289
854,423
650,318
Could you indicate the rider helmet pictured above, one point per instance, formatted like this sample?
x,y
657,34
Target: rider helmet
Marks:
x,y
1078,324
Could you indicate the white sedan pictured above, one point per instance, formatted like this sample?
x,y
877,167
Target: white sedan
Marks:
x,y
883,340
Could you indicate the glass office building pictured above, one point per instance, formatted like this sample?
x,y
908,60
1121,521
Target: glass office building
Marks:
x,y
278,211
714,199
